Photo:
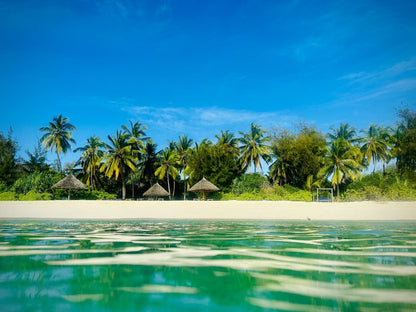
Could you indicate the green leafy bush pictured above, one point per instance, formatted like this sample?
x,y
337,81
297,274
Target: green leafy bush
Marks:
x,y
3,187
32,195
272,193
8,196
378,187
40,182
248,183
80,194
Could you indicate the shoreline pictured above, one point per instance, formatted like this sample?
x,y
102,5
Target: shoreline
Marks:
x,y
208,210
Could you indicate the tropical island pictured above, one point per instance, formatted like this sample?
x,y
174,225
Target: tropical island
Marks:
x,y
378,163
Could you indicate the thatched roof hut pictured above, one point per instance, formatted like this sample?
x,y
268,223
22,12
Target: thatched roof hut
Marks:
x,y
204,186
156,191
70,183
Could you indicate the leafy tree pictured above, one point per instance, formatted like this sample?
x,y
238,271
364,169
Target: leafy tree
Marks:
x,y
92,154
8,160
216,163
342,162
168,162
297,156
58,136
405,144
37,160
375,145
119,161
254,147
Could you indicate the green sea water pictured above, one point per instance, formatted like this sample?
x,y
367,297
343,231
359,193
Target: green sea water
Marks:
x,y
207,266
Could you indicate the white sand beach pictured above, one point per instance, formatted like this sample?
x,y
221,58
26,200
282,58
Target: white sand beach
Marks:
x,y
214,210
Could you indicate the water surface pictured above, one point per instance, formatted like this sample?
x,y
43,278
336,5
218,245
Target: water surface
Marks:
x,y
207,266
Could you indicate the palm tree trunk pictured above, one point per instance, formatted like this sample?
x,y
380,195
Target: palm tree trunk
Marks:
x,y
123,188
337,192
174,187
167,178
59,162
132,187
184,186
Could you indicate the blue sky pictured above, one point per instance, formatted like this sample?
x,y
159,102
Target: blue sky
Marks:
x,y
199,67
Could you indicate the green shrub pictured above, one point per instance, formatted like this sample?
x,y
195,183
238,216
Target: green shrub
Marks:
x,y
301,195
249,182
250,196
40,182
272,193
81,194
32,195
378,187
8,196
3,187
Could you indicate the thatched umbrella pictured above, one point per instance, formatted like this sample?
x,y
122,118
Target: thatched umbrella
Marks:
x,y
204,186
70,183
156,191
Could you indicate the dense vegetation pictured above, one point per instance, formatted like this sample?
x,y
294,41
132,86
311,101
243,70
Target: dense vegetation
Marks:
x,y
298,162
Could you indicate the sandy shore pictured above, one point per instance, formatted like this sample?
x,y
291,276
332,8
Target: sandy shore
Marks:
x,y
224,210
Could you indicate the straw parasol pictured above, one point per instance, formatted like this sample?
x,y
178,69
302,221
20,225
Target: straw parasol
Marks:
x,y
204,186
156,191
70,183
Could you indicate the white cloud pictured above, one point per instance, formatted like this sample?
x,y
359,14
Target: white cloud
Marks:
x,y
393,71
205,122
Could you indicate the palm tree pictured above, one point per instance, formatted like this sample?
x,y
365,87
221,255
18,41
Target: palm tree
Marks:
x,y
375,145
58,136
136,137
345,132
227,140
279,170
342,161
168,162
253,147
90,159
182,148
148,163
119,159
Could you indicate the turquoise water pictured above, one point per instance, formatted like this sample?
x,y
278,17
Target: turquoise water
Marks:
x,y
207,266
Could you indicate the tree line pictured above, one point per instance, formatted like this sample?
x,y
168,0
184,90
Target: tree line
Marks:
x,y
303,159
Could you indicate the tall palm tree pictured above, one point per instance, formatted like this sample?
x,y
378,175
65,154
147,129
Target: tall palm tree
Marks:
x,y
90,159
182,149
168,162
119,160
342,161
136,137
253,147
345,131
375,145
58,136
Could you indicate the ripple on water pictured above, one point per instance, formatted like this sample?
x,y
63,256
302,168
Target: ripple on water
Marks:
x,y
290,266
